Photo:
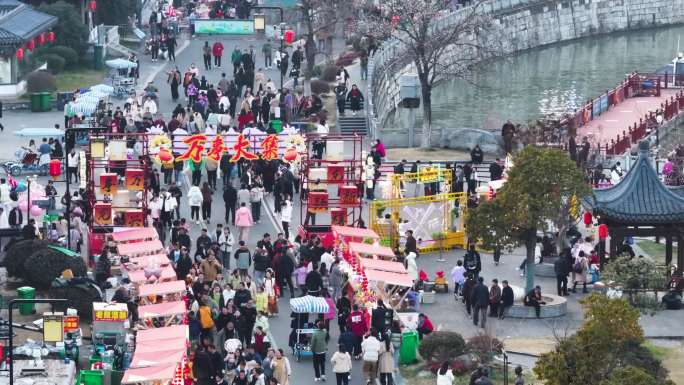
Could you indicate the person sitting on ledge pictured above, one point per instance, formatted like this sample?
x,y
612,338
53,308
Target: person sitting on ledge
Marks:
x,y
534,298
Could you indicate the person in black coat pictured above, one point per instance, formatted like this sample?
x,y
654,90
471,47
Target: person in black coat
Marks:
x,y
378,317
314,281
203,367
184,264
468,286
562,268
216,360
230,200
506,299
472,261
476,154
480,301
284,272
411,245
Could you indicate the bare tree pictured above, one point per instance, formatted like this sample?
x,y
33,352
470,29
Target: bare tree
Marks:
x,y
319,17
438,50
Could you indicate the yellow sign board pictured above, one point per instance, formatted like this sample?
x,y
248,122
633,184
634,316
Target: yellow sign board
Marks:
x,y
53,328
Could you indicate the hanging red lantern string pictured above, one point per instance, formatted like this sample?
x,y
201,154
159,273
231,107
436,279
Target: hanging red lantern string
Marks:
x,y
603,231
20,54
41,39
92,5
30,45
51,37
587,218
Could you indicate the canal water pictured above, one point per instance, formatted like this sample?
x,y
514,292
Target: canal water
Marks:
x,y
548,80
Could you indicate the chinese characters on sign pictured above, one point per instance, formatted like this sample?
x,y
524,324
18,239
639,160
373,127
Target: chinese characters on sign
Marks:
x,y
194,147
110,315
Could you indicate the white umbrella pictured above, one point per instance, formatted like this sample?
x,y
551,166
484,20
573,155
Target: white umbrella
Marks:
x,y
102,88
87,108
88,97
120,64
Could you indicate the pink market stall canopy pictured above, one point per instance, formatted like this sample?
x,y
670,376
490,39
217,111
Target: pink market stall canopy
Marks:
x,y
167,333
138,249
134,234
149,260
145,359
366,249
346,233
380,265
388,278
156,346
162,309
166,274
153,374
169,291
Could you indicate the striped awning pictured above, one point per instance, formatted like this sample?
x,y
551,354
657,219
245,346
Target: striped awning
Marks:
x,y
309,304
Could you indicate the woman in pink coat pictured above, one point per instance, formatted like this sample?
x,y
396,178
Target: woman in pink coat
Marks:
x,y
243,221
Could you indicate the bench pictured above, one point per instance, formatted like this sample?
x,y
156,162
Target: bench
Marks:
x,y
555,307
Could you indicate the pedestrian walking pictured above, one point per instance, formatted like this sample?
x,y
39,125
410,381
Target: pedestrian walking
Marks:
x,y
206,55
319,347
243,259
286,216
267,50
445,376
195,203
458,277
217,51
507,298
370,348
480,301
472,261
226,241
341,365
579,272
386,361
243,221
281,368
561,268
468,286
355,99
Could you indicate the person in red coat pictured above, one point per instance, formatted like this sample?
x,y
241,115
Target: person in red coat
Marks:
x,y
217,51
424,326
356,322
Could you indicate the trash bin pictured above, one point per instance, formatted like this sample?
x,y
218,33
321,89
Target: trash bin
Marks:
x,y
277,125
35,102
45,101
409,345
98,56
26,292
91,377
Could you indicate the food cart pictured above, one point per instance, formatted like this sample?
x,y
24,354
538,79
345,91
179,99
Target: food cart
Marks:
x,y
304,306
161,292
162,314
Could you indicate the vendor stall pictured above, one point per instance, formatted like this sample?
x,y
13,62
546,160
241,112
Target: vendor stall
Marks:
x,y
364,249
155,346
161,292
147,260
129,235
379,264
137,249
165,333
162,314
160,274
155,375
163,357
353,234
302,333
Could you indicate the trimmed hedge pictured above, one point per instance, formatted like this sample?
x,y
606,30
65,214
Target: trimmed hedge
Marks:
x,y
440,346
40,81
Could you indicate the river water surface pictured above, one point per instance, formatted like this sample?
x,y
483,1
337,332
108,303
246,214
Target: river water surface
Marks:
x,y
549,80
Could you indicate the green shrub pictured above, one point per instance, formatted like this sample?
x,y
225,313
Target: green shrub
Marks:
x,y
55,63
40,81
67,53
319,87
440,346
346,59
329,73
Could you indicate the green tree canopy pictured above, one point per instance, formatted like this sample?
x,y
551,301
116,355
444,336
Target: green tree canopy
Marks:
x,y
70,29
539,191
607,349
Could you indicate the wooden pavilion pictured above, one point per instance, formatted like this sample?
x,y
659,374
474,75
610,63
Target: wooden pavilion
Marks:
x,y
640,205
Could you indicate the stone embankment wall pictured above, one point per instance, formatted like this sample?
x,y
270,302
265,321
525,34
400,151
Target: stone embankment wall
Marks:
x,y
521,25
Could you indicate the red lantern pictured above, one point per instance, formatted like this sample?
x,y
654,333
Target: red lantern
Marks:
x,y
30,45
55,168
603,231
41,38
92,5
587,218
395,21
289,36
50,36
20,54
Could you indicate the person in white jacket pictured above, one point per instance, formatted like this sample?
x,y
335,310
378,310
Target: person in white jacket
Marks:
x,y
411,266
341,365
370,348
286,216
226,242
195,202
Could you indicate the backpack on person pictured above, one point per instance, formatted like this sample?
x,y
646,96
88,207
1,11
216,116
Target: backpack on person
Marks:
x,y
15,217
577,267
